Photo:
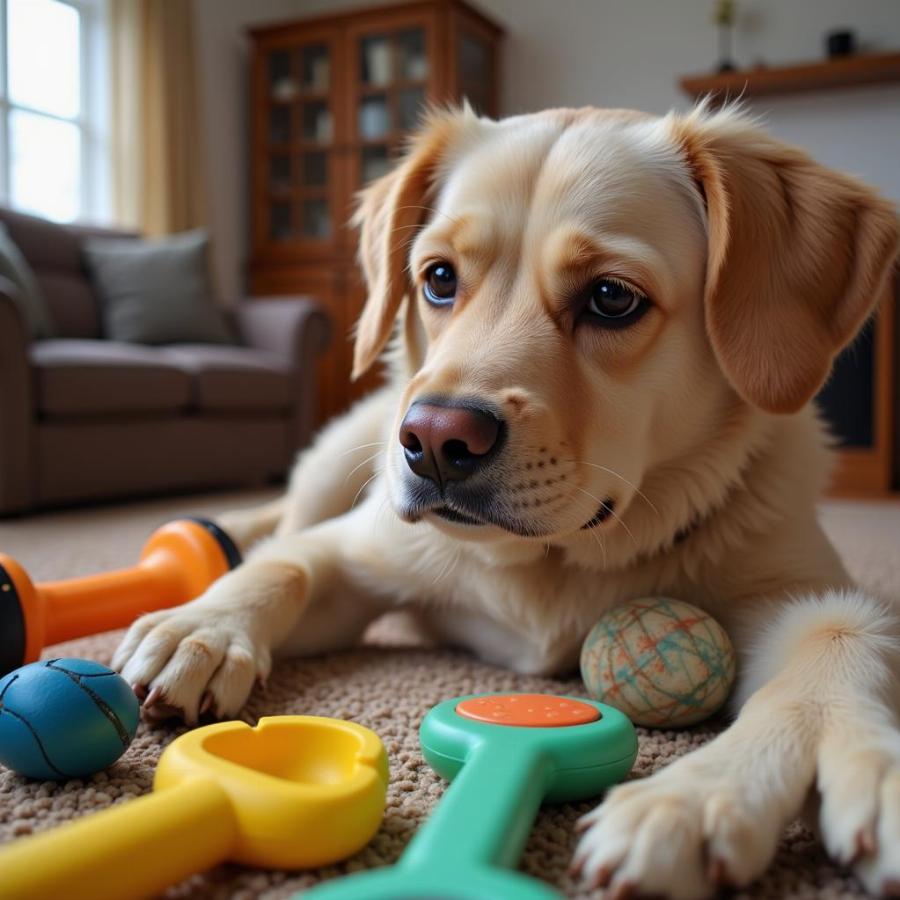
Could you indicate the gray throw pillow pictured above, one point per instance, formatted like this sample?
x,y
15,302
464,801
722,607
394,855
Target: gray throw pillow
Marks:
x,y
156,291
28,296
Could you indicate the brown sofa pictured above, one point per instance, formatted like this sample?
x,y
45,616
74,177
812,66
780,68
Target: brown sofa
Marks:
x,y
83,418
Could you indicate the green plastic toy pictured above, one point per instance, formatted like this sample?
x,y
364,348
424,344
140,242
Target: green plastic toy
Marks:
x,y
505,753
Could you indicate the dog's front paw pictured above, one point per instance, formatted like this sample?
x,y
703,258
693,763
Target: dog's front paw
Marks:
x,y
681,834
860,812
191,660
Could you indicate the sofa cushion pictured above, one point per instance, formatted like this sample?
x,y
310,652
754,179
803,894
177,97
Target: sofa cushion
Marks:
x,y
28,295
82,377
230,379
72,302
54,253
156,291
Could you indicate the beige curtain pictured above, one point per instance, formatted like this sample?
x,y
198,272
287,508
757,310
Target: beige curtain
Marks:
x,y
158,180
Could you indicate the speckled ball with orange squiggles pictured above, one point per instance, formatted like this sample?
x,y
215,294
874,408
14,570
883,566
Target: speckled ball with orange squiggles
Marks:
x,y
662,662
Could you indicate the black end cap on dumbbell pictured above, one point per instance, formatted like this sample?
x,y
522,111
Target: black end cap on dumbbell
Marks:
x,y
229,548
12,625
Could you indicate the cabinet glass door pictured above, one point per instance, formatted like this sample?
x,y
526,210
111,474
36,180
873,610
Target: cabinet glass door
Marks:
x,y
300,142
474,66
394,75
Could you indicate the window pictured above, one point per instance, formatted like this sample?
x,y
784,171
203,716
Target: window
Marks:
x,y
54,144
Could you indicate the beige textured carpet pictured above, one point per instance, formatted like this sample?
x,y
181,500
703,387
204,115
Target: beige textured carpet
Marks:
x,y
388,688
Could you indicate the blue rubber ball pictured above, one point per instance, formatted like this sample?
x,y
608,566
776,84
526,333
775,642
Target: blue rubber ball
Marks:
x,y
65,718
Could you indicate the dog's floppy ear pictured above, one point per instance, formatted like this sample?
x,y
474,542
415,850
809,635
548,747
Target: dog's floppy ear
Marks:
x,y
388,213
798,256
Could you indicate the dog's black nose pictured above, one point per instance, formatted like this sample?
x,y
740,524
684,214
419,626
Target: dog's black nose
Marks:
x,y
448,443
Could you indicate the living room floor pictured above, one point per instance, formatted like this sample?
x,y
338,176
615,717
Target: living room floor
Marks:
x,y
80,541
388,688
70,542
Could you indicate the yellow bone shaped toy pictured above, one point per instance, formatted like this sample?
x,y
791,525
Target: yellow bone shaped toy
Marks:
x,y
293,792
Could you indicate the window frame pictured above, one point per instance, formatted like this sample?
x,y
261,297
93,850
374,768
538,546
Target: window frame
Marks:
x,y
92,120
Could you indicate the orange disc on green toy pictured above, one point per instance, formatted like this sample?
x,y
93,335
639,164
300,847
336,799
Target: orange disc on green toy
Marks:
x,y
662,662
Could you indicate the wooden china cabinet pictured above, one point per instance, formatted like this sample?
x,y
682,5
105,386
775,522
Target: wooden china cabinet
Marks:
x,y
333,99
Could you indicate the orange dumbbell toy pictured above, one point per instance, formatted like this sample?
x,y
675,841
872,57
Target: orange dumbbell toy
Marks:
x,y
178,563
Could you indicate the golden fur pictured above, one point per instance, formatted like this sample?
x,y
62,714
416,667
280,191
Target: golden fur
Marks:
x,y
695,422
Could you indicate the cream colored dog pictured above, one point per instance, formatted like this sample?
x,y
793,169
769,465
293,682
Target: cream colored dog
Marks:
x,y
610,328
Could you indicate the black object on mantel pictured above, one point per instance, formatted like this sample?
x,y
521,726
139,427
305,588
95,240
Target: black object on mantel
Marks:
x,y
840,43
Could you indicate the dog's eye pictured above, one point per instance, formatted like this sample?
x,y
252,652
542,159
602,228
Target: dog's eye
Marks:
x,y
440,284
614,303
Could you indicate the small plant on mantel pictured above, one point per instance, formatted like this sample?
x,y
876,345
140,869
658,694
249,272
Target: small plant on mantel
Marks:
x,y
724,15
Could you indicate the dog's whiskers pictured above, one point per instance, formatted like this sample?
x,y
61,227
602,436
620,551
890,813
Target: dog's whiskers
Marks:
x,y
601,545
397,228
360,465
449,566
430,209
385,503
365,484
363,447
612,512
614,473
420,225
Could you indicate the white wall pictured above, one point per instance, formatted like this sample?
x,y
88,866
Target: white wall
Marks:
x,y
223,56
630,52
576,52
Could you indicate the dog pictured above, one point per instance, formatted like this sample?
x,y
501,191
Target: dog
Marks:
x,y
609,328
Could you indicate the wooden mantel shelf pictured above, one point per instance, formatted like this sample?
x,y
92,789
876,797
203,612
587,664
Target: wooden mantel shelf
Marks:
x,y
835,73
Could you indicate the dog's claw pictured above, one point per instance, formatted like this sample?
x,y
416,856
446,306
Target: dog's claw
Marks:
x,y
151,698
866,844
206,703
602,878
162,711
156,709
717,872
624,890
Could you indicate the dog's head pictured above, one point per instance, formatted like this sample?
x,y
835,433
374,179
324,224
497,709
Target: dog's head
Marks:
x,y
586,295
